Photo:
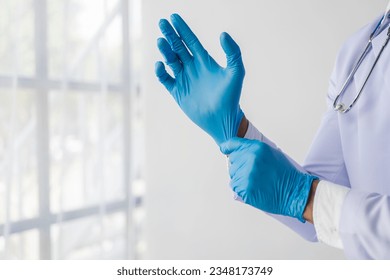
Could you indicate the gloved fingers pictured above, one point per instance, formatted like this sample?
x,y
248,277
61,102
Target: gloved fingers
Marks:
x,y
237,186
236,156
188,36
171,58
237,166
174,40
233,53
232,145
164,77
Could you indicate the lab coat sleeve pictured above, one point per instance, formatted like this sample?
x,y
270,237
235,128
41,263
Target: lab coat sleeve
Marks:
x,y
364,225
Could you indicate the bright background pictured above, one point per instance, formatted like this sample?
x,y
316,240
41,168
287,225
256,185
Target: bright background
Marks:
x,y
98,162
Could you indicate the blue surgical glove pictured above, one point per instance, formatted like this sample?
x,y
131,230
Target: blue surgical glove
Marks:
x,y
264,178
207,93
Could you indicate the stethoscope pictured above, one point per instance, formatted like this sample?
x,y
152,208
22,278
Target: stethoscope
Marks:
x,y
339,106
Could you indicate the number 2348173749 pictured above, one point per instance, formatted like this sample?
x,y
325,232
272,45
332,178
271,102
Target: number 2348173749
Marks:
x,y
241,270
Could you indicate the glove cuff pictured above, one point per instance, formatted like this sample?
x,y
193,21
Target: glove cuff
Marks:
x,y
229,127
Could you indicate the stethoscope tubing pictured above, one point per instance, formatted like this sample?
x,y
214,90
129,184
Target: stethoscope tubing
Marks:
x,y
339,106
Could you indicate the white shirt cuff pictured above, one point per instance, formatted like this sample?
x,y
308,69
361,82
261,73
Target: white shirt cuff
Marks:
x,y
327,206
253,134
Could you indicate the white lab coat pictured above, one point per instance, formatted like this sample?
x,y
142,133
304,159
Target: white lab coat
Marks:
x,y
353,150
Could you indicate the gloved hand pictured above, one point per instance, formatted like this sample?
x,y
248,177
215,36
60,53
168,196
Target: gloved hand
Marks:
x,y
264,178
207,93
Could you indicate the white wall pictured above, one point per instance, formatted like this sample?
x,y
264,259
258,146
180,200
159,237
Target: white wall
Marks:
x,y
288,48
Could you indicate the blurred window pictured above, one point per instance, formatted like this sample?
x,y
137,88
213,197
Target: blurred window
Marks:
x,y
71,147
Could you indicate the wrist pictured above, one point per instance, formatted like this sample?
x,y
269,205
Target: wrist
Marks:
x,y
308,212
243,128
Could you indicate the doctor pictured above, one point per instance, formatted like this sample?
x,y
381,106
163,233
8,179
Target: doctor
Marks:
x,y
342,189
